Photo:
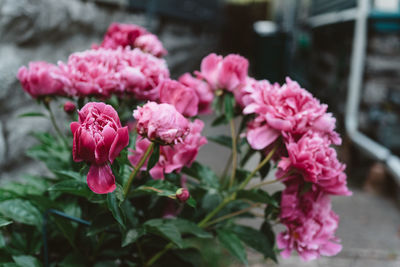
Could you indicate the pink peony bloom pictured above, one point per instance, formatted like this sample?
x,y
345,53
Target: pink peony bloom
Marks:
x,y
161,122
69,107
132,36
317,162
42,79
151,44
288,109
203,91
103,72
183,98
310,223
224,73
98,140
172,158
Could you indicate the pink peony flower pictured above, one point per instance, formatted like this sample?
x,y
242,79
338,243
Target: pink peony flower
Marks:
x,y
98,140
42,79
288,109
69,107
310,223
203,91
317,162
102,72
172,158
132,36
151,44
224,73
183,98
161,122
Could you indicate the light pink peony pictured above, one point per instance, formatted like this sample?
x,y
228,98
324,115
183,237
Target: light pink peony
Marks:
x,y
203,91
161,122
103,72
227,73
151,44
287,109
98,140
312,156
42,79
183,98
310,223
132,36
172,158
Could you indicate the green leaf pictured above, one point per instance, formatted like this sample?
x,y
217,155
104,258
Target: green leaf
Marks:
x,y
21,211
223,140
26,261
155,155
158,187
233,244
229,105
250,152
203,174
189,227
219,120
267,231
191,202
4,222
166,229
32,114
255,240
257,195
131,236
72,187
116,211
264,169
71,175
2,241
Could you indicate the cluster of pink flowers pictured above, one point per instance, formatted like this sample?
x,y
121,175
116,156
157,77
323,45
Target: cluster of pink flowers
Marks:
x,y
132,36
174,157
98,140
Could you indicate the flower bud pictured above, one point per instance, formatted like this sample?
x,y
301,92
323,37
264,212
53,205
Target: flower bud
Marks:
x,y
69,107
182,194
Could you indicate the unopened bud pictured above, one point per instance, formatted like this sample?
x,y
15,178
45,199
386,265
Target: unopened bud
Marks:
x,y
69,107
182,194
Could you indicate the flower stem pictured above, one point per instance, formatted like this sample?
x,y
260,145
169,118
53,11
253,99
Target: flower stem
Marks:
x,y
53,120
233,214
234,152
216,210
159,254
265,183
137,169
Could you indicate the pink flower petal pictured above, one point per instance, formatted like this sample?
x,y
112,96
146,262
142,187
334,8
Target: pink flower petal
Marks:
x,y
100,179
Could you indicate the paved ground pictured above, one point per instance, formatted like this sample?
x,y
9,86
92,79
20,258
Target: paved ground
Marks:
x,y
369,226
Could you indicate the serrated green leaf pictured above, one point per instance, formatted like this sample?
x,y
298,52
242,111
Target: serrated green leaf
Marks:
x,y
116,211
4,222
21,211
131,236
26,261
229,105
233,244
254,239
166,229
32,114
155,155
203,174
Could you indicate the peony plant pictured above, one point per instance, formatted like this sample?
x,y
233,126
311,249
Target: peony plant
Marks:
x,y
124,187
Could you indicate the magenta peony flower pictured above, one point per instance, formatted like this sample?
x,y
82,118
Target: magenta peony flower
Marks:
x,y
161,122
317,162
69,107
287,109
98,140
132,36
183,98
224,73
102,72
172,158
42,79
310,223
151,44
203,91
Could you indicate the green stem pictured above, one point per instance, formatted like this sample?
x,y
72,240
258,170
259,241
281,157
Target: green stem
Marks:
x,y
159,254
234,152
264,183
262,163
137,169
228,164
53,120
233,214
216,210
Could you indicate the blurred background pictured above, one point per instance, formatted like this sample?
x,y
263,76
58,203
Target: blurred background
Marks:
x,y
346,52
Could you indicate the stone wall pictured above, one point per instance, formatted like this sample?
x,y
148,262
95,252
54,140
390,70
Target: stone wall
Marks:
x,y
50,30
